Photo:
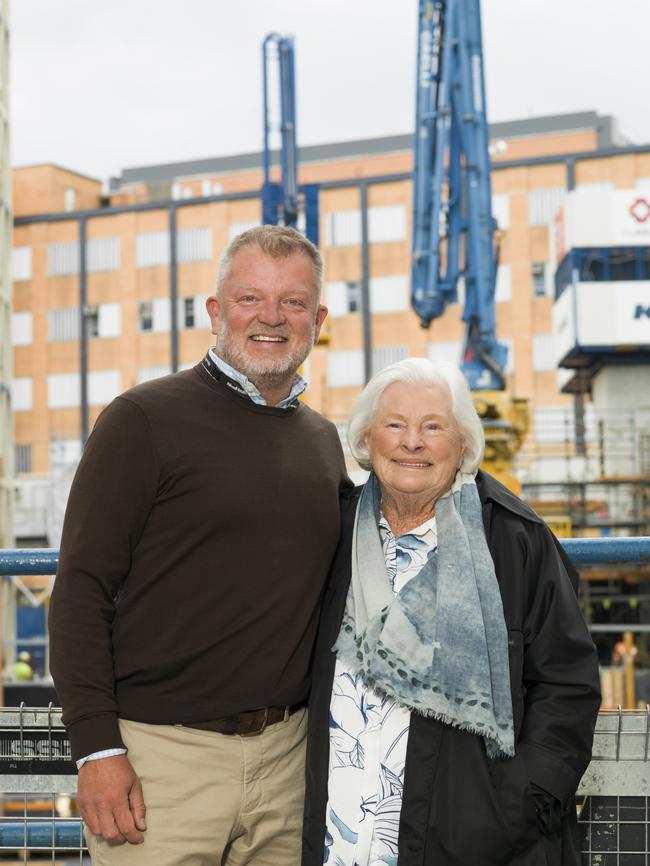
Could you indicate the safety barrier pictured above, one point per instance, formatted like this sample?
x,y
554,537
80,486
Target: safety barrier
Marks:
x,y
38,779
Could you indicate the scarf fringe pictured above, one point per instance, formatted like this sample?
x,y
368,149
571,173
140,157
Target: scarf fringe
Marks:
x,y
493,747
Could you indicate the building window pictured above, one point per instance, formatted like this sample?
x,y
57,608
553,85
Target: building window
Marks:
x,y
103,386
503,288
543,204
191,312
103,320
21,263
501,210
389,294
353,295
383,356
145,315
343,297
92,320
342,430
386,224
69,199
146,374
63,325
444,350
110,320
63,391
538,277
65,452
235,229
103,254
343,228
152,249
188,319
21,394
194,245
21,329
345,368
62,259
155,316
23,459
543,352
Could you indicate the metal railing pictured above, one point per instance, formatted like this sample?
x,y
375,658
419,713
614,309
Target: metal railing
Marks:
x,y
38,778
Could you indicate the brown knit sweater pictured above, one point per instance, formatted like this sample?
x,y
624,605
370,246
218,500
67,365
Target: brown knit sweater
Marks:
x,y
198,534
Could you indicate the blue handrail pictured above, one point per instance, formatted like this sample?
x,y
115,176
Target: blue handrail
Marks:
x,y
583,551
62,833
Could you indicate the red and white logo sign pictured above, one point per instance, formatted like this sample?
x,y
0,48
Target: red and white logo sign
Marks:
x,y
640,210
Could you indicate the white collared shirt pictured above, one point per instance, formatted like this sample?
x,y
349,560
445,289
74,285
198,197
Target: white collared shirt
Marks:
x,y
298,384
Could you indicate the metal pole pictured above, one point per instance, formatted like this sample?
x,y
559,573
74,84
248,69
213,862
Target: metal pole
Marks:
x,y
83,333
570,174
173,288
365,285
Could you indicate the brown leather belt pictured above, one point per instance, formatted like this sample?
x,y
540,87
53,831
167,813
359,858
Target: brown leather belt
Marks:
x,y
247,724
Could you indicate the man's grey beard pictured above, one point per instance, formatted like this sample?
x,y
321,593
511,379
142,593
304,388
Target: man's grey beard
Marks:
x,y
272,372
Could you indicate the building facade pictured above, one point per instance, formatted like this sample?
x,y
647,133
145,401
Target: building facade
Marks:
x,y
115,284
6,355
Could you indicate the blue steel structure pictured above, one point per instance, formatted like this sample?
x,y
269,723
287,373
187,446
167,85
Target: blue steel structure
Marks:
x,y
452,198
282,201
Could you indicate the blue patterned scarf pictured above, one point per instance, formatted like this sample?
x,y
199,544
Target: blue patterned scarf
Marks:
x,y
438,647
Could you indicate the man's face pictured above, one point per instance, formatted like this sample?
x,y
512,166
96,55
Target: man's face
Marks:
x,y
267,316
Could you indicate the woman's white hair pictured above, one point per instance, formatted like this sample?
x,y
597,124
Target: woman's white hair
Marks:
x,y
419,371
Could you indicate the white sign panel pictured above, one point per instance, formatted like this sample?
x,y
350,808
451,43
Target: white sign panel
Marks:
x,y
601,218
609,316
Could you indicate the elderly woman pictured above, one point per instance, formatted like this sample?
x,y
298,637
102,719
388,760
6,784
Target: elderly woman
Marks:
x,y
452,722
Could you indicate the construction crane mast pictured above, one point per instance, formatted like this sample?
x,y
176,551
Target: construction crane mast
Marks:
x,y
454,231
284,201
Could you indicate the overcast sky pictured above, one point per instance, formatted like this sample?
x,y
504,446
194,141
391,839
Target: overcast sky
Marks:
x,y
101,85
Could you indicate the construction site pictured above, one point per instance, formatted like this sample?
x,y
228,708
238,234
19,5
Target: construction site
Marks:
x,y
519,250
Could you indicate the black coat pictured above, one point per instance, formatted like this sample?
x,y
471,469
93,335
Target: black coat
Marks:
x,y
459,808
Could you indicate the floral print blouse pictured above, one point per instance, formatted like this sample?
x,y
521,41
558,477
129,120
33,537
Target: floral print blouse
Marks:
x,y
368,737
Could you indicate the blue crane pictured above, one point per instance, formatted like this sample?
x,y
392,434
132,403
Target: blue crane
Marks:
x,y
452,200
283,201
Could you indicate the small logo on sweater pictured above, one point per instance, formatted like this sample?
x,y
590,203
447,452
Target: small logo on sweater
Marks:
x,y
237,389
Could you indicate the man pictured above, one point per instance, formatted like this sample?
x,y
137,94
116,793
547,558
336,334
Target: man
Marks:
x,y
198,534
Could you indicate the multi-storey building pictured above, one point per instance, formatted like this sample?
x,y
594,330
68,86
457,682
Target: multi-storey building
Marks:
x,y
114,284
6,359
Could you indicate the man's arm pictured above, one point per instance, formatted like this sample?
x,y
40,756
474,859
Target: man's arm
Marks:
x,y
110,500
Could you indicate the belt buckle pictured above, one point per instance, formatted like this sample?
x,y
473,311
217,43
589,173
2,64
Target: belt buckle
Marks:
x,y
261,729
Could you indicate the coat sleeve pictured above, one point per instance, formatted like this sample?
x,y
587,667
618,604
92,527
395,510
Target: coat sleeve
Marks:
x,y
110,499
560,673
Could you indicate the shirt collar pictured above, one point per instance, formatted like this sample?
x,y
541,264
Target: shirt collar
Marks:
x,y
298,384
427,530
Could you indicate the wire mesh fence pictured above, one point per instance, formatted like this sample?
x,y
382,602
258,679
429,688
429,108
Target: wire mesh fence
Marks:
x,y
38,820
39,823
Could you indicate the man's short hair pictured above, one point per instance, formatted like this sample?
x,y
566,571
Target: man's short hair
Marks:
x,y
276,241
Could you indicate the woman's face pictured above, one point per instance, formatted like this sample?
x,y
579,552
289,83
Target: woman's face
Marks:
x,y
414,443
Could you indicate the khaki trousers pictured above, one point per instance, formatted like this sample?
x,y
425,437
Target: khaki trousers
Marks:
x,y
215,799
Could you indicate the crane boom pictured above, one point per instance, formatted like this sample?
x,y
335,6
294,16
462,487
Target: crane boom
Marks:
x,y
452,199
284,202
